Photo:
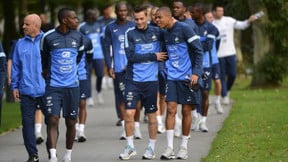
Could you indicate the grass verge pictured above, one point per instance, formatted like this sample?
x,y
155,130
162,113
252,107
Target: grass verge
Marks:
x,y
11,116
257,127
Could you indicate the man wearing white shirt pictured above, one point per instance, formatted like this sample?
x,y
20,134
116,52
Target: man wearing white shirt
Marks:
x,y
227,51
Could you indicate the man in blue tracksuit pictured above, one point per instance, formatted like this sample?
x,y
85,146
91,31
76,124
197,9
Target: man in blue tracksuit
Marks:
x,y
184,70
207,33
61,51
143,51
92,29
114,38
27,83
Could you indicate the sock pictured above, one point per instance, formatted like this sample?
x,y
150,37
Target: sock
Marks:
x,y
194,113
170,138
52,153
67,155
38,127
184,142
130,141
217,99
81,127
77,126
136,124
152,143
203,119
159,120
123,124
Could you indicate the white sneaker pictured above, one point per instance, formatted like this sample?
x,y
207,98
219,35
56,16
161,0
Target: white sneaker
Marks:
x,y
53,159
137,133
225,100
123,135
161,129
203,127
128,153
66,160
81,137
195,123
100,98
219,108
149,154
90,101
182,154
168,154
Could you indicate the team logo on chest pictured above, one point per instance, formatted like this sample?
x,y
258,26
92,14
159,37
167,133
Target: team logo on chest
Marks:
x,y
154,38
74,43
176,40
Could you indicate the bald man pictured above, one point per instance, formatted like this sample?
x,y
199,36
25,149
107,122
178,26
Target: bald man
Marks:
x,y
27,82
184,69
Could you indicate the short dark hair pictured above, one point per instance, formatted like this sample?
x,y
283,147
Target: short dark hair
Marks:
x,y
215,5
119,4
62,13
141,8
182,1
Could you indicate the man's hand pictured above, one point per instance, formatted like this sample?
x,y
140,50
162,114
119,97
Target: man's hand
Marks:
x,y
194,79
161,56
111,73
16,94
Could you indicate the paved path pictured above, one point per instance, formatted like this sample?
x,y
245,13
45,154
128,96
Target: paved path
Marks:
x,y
103,144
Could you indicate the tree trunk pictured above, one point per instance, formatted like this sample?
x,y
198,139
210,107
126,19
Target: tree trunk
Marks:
x,y
9,34
261,39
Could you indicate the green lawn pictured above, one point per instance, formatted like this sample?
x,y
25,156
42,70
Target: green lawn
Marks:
x,y
257,127
11,116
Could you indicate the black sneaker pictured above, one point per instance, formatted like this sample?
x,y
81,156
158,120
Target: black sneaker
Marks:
x,y
33,158
39,140
119,123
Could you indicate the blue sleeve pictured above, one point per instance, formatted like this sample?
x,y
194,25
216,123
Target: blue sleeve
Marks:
x,y
132,55
88,49
45,55
196,52
106,47
210,38
15,69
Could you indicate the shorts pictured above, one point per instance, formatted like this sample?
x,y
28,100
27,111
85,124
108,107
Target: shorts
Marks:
x,y
146,92
215,70
162,84
84,89
56,98
206,79
180,92
119,85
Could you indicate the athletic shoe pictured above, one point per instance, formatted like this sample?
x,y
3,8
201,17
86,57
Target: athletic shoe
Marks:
x,y
219,108
225,100
81,137
100,98
149,154
128,153
33,158
182,154
195,123
160,130
53,159
119,123
39,138
168,154
137,133
123,135
90,101
203,127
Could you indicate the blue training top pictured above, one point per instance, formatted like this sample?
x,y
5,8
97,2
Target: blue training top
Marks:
x,y
61,52
207,33
114,36
184,51
140,48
